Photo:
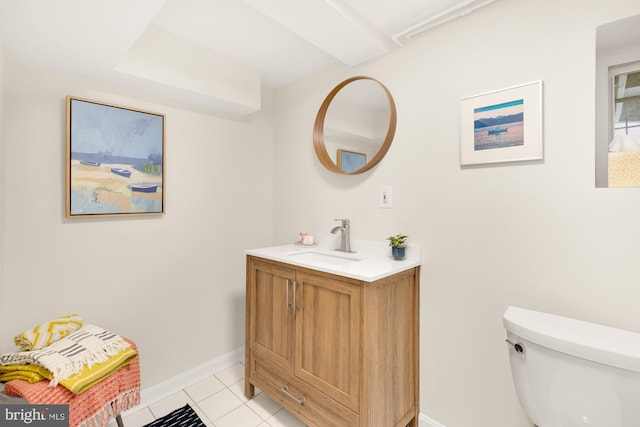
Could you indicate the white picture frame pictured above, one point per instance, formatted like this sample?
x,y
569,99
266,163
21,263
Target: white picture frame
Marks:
x,y
502,126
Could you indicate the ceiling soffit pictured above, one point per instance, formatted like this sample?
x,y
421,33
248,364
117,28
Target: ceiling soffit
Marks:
x,y
214,53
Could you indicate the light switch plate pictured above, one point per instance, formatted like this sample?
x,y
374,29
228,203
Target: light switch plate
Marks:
x,y
386,197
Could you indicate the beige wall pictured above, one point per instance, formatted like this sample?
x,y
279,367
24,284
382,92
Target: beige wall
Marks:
x,y
537,235
175,284
2,180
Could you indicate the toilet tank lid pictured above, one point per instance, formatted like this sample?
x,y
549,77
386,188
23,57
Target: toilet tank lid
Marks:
x,y
591,341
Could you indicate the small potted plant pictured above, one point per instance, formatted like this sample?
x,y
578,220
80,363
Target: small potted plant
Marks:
x,y
398,244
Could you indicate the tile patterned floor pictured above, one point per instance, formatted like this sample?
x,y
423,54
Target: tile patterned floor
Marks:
x,y
219,401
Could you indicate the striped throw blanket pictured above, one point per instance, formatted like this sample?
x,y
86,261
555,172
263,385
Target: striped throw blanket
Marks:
x,y
68,356
47,332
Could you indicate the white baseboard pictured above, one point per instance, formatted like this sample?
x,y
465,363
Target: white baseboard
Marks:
x,y
157,392
424,421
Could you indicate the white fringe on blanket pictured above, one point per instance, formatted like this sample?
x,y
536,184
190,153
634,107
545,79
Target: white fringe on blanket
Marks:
x,y
123,402
64,358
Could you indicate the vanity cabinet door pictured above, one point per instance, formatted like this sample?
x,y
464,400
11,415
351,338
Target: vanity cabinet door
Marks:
x,y
271,315
327,354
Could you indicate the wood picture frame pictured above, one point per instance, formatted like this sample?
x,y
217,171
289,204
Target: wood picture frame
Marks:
x,y
350,161
115,160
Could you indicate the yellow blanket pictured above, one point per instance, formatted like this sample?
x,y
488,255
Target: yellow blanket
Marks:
x,y
78,383
44,334
29,373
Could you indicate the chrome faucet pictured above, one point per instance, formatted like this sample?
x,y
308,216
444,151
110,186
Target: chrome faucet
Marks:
x,y
345,236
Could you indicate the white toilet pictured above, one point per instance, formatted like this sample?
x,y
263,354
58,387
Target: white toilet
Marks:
x,y
570,373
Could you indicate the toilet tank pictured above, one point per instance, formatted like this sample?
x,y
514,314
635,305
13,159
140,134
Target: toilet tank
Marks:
x,y
571,373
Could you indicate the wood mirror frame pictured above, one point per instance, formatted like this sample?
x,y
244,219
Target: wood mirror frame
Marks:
x,y
318,130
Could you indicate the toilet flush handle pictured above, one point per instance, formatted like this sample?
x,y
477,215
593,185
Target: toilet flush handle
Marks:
x,y
517,346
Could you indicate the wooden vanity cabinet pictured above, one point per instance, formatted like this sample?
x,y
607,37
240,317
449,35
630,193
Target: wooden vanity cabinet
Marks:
x,y
332,350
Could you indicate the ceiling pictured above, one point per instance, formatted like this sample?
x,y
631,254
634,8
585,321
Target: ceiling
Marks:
x,y
213,53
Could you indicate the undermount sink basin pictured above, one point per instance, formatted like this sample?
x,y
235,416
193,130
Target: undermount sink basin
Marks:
x,y
337,258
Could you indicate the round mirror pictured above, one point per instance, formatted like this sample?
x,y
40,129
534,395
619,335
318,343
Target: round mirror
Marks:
x,y
354,126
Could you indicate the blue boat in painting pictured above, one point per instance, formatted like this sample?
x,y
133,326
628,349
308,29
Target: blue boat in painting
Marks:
x,y
89,163
497,131
144,188
122,172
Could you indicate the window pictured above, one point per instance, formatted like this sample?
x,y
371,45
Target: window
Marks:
x,y
617,109
626,104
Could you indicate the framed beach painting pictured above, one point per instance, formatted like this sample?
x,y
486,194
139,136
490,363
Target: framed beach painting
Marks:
x,y
349,161
502,126
115,160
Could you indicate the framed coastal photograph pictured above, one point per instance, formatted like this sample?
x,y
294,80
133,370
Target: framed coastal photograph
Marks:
x,y
350,161
115,160
502,126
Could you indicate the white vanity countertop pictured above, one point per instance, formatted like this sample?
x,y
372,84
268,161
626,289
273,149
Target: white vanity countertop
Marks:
x,y
371,261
